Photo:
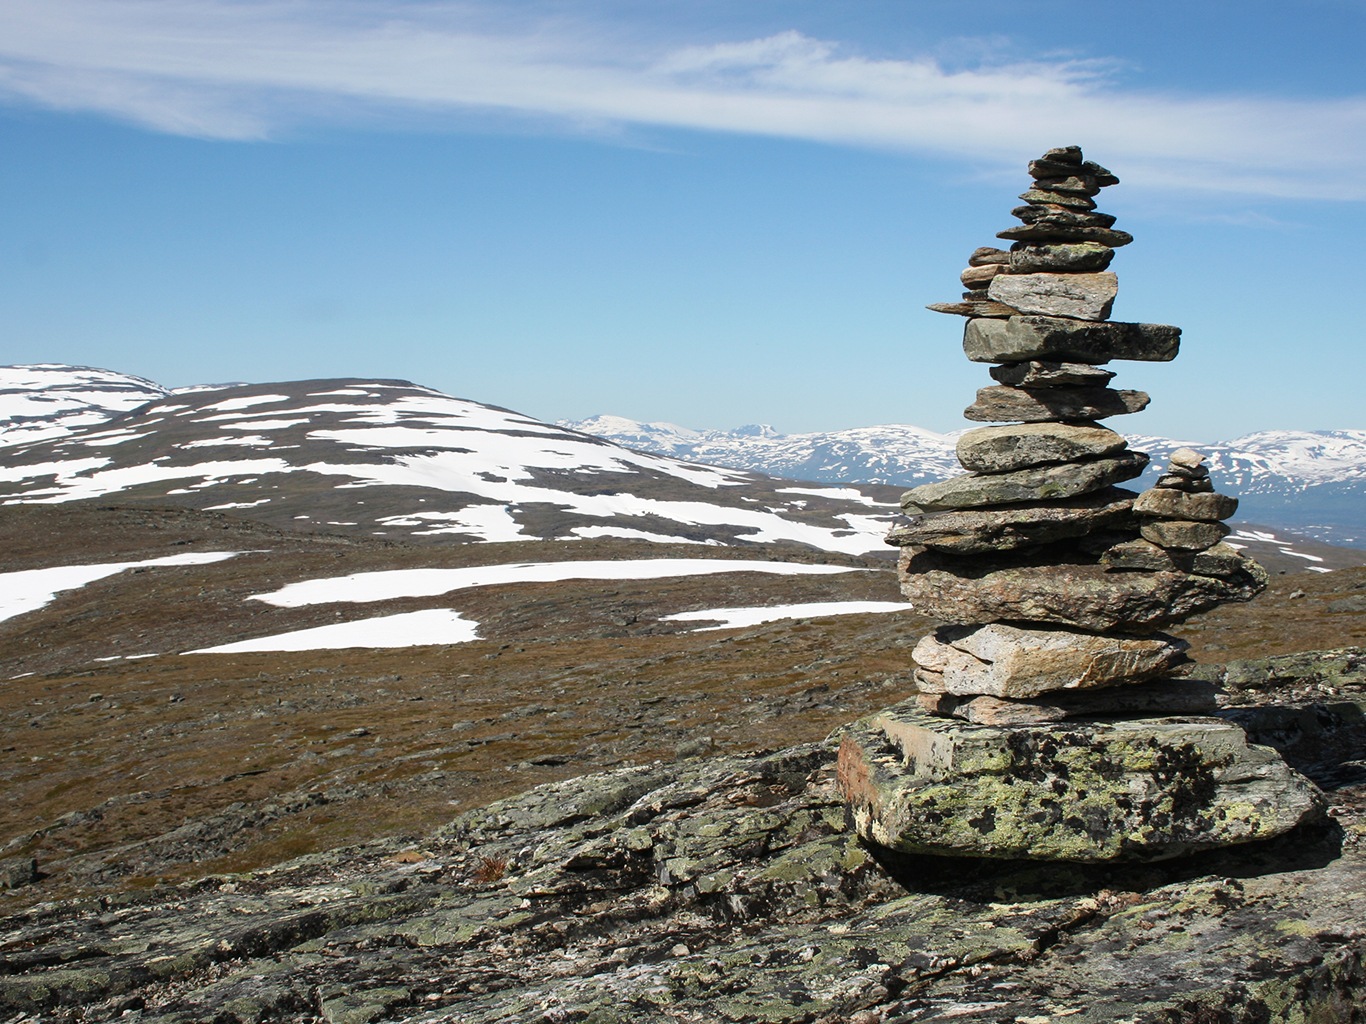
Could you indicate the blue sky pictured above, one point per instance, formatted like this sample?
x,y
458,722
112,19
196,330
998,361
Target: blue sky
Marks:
x,y
709,213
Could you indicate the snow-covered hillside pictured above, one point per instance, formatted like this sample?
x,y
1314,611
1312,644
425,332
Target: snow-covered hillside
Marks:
x,y
52,399
1312,482
391,458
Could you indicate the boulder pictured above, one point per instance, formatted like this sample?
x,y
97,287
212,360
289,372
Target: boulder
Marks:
x,y
1037,483
1019,525
1002,449
1040,374
1043,405
1168,503
1055,584
1002,660
1183,534
1021,338
1084,296
1123,790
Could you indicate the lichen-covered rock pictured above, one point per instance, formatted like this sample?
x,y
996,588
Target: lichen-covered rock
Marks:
x,y
1002,660
1052,584
1218,560
1046,405
1097,791
1017,525
1085,296
1183,534
1169,503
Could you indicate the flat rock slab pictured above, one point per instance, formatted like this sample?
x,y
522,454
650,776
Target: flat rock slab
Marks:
x,y
1086,791
1042,405
1079,257
1085,296
1007,448
974,308
1037,483
1001,660
1021,338
1219,560
1169,503
1050,231
1031,586
1040,374
1162,697
1021,525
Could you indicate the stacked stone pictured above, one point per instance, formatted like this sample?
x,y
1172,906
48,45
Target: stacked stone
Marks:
x,y
1054,583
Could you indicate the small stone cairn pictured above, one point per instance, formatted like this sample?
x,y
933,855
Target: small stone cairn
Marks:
x,y
1052,722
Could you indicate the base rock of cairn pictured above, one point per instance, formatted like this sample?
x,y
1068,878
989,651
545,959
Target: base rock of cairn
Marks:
x,y
1044,724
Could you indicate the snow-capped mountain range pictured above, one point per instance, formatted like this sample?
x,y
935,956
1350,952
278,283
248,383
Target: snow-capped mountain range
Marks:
x,y
1312,482
393,459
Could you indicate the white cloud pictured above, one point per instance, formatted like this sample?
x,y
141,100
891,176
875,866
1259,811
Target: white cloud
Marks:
x,y
245,69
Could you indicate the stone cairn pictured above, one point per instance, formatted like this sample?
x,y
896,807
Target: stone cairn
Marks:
x,y
1052,722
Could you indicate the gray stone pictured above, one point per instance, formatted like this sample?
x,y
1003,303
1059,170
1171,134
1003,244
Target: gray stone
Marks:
x,y
1084,296
1037,197
17,871
1160,697
1176,482
1168,503
1001,660
986,255
1040,374
1022,338
1183,534
1143,790
1066,181
1081,257
1219,560
1061,215
1037,483
1001,449
1044,405
1355,603
974,308
1046,231
1005,528
1041,585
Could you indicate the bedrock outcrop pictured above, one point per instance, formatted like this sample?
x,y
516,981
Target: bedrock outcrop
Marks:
x,y
1125,789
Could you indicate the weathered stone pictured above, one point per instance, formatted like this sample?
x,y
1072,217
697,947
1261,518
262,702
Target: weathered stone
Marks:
x,y
1040,374
1081,258
1046,231
1001,660
1160,697
1168,503
1183,534
1036,196
17,871
1005,528
986,255
1067,182
1084,296
1188,459
977,277
1001,449
1086,791
1022,338
1037,483
1068,155
976,308
1060,215
1219,560
1202,485
1058,584
1189,472
1046,405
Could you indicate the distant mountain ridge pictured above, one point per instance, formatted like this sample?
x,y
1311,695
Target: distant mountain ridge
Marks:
x,y
1309,481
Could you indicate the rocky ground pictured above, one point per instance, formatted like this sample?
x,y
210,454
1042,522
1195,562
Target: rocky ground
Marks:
x,y
668,873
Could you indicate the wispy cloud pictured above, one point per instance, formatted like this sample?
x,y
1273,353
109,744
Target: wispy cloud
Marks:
x,y
248,69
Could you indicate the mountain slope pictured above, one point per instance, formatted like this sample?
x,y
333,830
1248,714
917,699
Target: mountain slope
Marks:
x,y
1311,482
52,399
393,459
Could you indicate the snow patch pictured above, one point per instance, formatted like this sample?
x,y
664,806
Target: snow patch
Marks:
x,y
410,629
735,618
